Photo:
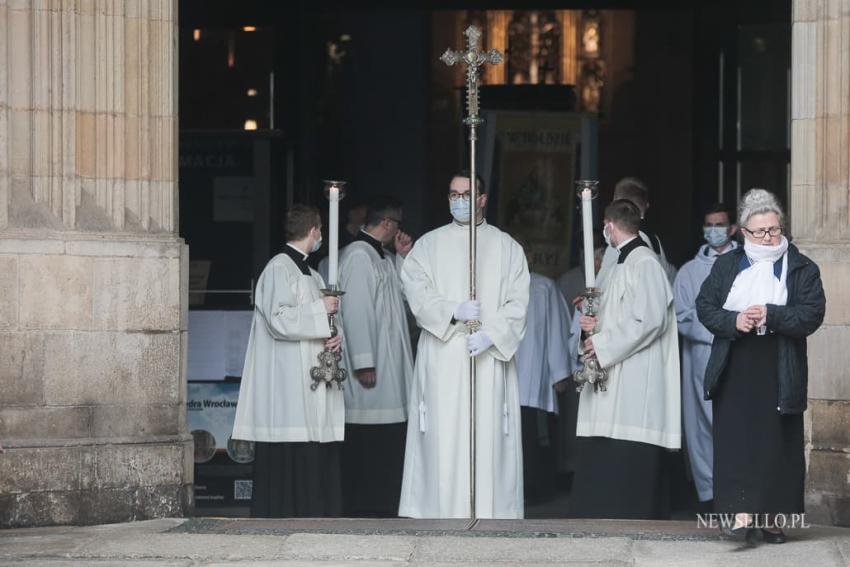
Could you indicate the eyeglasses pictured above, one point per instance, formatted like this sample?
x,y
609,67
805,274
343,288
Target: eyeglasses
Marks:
x,y
397,221
455,196
762,232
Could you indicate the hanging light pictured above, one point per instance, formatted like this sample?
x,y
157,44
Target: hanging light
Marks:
x,y
251,92
249,28
250,124
196,34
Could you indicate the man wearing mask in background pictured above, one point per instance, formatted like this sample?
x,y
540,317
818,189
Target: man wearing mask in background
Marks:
x,y
379,360
718,231
436,283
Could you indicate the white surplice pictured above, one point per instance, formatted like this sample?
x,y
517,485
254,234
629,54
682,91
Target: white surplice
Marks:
x,y
436,464
637,343
542,359
376,335
696,348
289,329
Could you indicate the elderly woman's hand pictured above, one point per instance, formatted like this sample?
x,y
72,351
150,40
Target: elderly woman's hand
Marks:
x,y
757,314
743,322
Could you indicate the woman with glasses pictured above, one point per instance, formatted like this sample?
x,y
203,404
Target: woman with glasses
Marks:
x,y
760,301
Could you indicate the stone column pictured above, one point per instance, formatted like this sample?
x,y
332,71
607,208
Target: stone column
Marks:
x,y
92,271
820,216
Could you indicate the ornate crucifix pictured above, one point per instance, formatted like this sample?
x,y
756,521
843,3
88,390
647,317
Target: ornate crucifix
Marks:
x,y
474,58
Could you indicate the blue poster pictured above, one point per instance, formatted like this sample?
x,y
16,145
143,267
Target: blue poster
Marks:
x,y
211,410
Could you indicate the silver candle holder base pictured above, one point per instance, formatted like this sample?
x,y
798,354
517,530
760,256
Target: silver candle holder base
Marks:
x,y
328,371
592,373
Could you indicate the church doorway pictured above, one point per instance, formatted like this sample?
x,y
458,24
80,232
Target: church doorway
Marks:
x,y
692,97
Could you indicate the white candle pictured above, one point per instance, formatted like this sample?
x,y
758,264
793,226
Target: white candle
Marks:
x,y
333,235
587,232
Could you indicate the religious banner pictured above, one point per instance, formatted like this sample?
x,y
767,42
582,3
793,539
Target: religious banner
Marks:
x,y
536,158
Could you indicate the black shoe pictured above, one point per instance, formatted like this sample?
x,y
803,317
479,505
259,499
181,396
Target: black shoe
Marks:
x,y
773,537
706,507
744,532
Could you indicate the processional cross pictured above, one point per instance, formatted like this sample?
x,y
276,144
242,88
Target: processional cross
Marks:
x,y
473,58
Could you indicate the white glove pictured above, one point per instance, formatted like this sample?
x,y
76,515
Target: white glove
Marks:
x,y
468,310
478,342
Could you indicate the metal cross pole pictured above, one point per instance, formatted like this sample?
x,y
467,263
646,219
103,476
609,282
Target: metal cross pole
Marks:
x,y
474,58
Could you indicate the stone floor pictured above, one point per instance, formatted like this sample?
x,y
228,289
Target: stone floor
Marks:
x,y
396,543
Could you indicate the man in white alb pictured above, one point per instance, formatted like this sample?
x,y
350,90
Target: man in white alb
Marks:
x,y
718,230
436,283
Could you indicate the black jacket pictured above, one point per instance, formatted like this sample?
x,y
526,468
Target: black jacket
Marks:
x,y
793,322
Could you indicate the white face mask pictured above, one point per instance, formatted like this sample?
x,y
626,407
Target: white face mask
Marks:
x,y
606,235
460,210
317,244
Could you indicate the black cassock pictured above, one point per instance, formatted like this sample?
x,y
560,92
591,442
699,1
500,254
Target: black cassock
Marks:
x,y
620,479
297,480
759,463
372,465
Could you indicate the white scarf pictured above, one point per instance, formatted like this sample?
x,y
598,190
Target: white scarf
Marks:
x,y
757,285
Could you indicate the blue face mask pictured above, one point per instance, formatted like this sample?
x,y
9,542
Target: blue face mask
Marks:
x,y
316,246
716,236
460,210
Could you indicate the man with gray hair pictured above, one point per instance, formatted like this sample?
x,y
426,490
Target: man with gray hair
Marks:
x,y
634,190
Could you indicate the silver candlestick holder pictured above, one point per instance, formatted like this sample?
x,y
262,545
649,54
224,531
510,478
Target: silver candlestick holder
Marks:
x,y
328,371
592,373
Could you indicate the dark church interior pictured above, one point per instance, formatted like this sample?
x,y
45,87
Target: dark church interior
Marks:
x,y
692,97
